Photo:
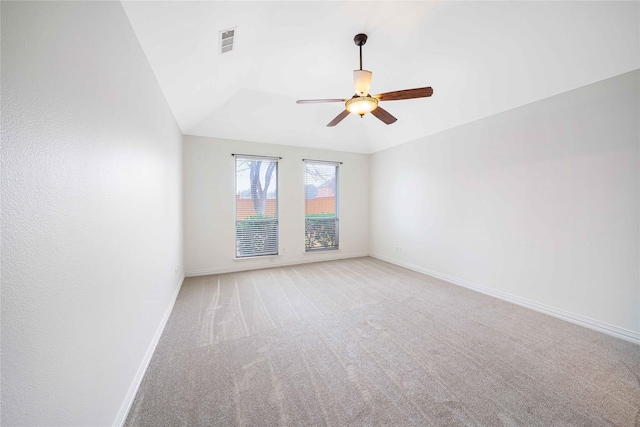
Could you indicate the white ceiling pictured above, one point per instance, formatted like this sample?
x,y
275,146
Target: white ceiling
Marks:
x,y
481,58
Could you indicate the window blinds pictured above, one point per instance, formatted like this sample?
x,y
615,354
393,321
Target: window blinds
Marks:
x,y
321,205
256,206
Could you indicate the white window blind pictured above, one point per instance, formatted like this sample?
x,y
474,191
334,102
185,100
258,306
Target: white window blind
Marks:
x,y
321,205
256,206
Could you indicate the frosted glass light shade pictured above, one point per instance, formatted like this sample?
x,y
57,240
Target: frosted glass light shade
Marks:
x,y
361,105
362,82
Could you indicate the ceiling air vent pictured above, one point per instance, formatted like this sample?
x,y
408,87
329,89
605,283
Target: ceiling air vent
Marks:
x,y
227,39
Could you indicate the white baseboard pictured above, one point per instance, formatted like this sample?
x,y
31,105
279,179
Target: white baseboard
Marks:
x,y
137,380
254,264
596,325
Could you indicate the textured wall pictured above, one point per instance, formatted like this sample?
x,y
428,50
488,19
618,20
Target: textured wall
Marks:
x,y
91,217
209,204
541,202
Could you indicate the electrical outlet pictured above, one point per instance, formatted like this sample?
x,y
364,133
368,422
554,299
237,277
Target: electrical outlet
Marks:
x,y
177,269
398,249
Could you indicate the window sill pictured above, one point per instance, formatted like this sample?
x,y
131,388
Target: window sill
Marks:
x,y
324,250
256,257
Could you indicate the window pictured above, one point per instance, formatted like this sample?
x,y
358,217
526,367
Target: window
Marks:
x,y
256,206
321,205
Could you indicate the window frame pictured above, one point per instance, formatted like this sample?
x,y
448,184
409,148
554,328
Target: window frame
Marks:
x,y
336,216
238,157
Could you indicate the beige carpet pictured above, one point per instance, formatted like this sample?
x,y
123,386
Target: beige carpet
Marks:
x,y
362,342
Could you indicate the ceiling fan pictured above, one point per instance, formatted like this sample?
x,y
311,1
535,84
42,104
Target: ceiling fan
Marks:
x,y
362,102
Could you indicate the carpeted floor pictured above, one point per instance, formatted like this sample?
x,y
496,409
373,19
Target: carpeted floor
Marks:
x,y
362,342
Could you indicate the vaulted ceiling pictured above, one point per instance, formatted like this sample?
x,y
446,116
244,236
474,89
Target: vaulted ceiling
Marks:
x,y
481,58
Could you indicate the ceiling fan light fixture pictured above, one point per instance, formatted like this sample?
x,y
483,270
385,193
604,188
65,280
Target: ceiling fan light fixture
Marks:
x,y
361,105
362,82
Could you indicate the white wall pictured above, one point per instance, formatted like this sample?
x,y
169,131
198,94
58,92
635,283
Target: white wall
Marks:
x,y
91,216
209,204
540,202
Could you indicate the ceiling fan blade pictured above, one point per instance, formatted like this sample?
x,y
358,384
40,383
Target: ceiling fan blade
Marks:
x,y
318,101
338,118
421,92
383,115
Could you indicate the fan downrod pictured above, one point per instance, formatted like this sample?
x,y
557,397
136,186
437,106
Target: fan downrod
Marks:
x,y
360,40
